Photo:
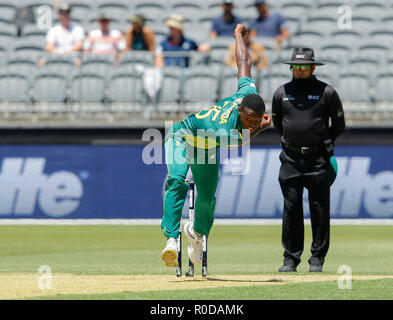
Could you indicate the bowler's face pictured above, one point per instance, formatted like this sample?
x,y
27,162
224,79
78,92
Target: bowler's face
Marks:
x,y
249,118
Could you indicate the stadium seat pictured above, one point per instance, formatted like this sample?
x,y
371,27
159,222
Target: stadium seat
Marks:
x,y
125,88
117,4
13,87
7,12
373,6
116,10
383,87
88,88
137,57
82,9
323,75
387,19
49,87
101,64
171,84
153,10
22,57
373,48
8,31
354,87
295,8
362,23
220,44
196,32
335,48
38,3
201,86
271,80
321,23
293,24
188,10
371,12
381,34
333,63
159,29
269,43
33,30
312,34
350,36
205,19
228,83
27,46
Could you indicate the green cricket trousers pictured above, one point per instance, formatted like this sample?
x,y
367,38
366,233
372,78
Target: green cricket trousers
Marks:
x,y
205,177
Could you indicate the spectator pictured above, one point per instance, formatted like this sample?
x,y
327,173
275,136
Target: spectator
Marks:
x,y
269,24
104,40
65,37
223,26
257,53
139,36
176,42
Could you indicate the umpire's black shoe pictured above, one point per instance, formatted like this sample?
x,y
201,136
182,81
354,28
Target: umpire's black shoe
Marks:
x,y
315,264
288,266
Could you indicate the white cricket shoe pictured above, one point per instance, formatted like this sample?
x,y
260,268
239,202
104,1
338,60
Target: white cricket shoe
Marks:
x,y
195,250
169,254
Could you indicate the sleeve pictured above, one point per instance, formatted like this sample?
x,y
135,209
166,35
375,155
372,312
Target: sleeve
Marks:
x,y
215,26
253,25
336,113
282,23
51,35
276,112
193,45
246,86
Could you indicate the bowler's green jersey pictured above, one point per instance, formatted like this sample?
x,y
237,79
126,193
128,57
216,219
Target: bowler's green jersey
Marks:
x,y
220,121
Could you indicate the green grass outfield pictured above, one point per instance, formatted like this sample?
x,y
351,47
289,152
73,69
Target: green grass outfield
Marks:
x,y
232,250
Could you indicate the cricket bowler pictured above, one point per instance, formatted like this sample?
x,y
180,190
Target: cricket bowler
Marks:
x,y
244,110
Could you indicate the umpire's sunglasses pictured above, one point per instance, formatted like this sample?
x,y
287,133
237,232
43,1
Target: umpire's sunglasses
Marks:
x,y
297,67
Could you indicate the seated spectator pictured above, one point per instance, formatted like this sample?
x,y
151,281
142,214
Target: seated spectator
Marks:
x,y
269,24
65,37
223,26
104,40
176,42
257,53
139,36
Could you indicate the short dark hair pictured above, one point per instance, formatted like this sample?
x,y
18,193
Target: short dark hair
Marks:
x,y
254,102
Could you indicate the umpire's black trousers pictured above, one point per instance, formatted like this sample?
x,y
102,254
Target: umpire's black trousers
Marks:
x,y
300,171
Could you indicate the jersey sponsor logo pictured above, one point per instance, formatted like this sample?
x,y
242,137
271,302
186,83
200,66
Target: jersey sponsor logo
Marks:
x,y
311,97
24,185
357,189
300,56
253,85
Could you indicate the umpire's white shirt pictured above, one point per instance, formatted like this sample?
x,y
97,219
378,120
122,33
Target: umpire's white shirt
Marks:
x,y
65,39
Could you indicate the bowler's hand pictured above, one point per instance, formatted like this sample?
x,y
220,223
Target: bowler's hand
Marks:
x,y
240,30
266,122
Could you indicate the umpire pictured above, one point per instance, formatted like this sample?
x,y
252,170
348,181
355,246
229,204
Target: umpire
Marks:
x,y
301,112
